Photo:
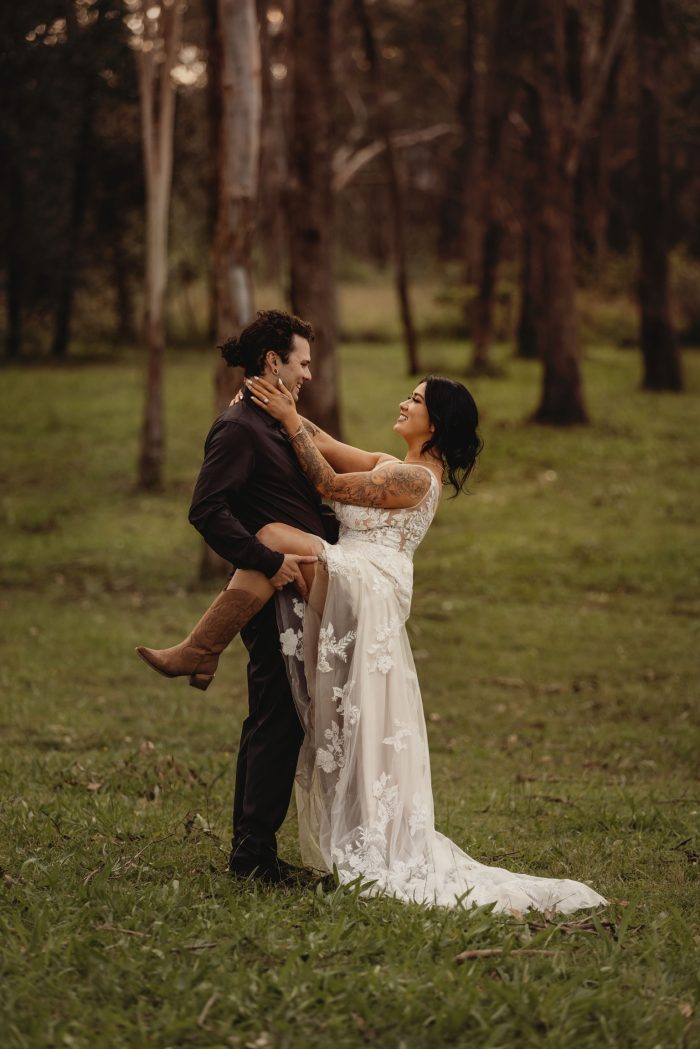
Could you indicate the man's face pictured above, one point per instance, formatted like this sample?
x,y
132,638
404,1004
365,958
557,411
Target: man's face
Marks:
x,y
297,369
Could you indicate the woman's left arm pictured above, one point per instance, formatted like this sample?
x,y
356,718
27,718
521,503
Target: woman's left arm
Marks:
x,y
396,486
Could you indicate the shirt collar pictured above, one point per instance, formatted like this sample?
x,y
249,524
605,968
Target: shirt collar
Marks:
x,y
275,424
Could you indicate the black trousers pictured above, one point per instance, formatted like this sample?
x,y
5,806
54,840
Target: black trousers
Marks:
x,y
270,742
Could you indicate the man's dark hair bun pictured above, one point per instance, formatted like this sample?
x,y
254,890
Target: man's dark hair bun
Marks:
x,y
232,353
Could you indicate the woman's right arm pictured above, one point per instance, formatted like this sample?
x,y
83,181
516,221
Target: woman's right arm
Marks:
x,y
396,485
343,458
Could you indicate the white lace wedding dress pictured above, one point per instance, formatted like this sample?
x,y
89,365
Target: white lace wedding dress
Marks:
x,y
363,789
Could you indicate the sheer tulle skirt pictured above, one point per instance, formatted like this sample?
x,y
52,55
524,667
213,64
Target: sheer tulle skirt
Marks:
x,y
363,789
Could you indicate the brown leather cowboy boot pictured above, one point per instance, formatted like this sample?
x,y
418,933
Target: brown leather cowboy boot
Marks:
x,y
198,655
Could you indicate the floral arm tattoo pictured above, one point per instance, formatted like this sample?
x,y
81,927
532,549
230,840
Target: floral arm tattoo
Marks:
x,y
397,485
311,428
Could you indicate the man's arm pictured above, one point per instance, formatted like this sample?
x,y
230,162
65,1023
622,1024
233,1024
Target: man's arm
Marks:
x,y
229,460
343,457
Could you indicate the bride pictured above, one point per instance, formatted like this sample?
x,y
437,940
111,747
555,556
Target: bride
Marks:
x,y
364,796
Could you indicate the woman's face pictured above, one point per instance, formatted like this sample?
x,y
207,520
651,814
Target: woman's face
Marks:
x,y
413,420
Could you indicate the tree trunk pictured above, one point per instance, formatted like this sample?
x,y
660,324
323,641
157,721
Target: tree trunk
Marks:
x,y
121,273
483,304
238,169
473,112
236,111
456,201
395,190
311,218
526,335
596,162
78,205
500,86
157,93
660,352
271,223
15,259
562,401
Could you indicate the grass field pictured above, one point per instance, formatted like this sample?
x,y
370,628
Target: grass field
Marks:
x,y
555,628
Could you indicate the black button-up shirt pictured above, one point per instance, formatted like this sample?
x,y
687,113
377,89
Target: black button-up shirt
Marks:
x,y
250,477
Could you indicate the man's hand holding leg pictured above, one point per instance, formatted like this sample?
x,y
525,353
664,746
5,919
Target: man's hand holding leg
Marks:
x,y
290,572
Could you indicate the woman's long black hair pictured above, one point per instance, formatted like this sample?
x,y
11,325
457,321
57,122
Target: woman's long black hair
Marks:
x,y
453,413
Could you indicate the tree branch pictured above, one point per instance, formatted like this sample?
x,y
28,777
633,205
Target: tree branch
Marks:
x,y
346,167
591,102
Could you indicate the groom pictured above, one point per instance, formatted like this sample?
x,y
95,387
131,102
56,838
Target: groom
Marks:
x,y
250,477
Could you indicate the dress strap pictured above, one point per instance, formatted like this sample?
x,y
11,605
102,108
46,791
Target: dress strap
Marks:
x,y
423,467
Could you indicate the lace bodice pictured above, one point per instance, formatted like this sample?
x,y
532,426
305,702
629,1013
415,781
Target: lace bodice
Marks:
x,y
400,530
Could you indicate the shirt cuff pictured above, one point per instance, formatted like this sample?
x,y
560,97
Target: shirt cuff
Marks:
x,y
270,561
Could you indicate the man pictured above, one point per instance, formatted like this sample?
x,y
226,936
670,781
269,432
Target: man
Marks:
x,y
249,478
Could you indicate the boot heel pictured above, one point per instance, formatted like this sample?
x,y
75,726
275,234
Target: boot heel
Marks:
x,y
201,681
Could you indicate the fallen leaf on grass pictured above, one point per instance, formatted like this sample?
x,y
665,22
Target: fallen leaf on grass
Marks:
x,y
685,1009
554,798
261,1042
94,786
585,925
199,945
366,1030
197,822
205,1011
493,952
120,930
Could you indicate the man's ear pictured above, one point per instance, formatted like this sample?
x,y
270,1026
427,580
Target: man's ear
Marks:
x,y
272,361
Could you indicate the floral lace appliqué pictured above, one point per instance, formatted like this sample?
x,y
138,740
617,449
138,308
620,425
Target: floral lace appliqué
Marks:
x,y
330,645
381,658
292,641
418,819
403,730
332,756
387,798
349,712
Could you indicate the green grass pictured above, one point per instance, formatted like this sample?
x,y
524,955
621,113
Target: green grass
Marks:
x,y
555,628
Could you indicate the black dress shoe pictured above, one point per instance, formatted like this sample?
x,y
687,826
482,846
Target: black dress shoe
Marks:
x,y
270,872
327,882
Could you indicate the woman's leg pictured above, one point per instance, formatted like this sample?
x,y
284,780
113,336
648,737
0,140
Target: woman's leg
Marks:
x,y
197,656
285,540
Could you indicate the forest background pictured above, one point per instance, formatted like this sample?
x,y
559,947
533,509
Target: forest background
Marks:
x,y
534,165
504,192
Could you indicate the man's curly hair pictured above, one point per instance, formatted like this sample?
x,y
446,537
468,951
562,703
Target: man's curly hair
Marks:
x,y
271,330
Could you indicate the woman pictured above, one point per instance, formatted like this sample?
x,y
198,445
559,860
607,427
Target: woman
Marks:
x,y
364,795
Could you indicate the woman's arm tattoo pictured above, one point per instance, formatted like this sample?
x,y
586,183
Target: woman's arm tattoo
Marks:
x,y
311,428
395,486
